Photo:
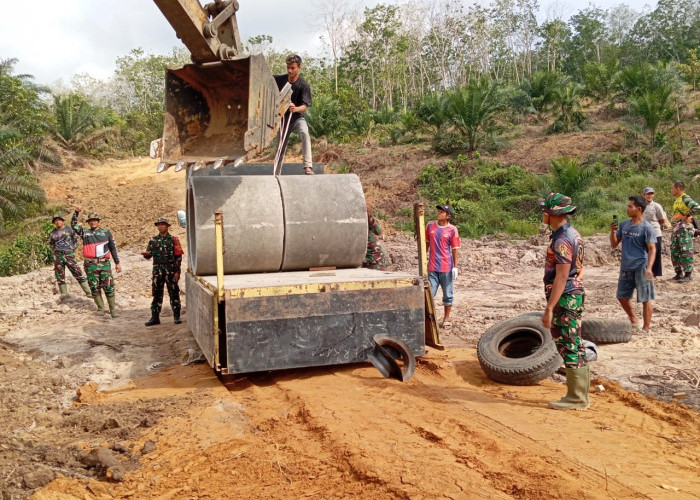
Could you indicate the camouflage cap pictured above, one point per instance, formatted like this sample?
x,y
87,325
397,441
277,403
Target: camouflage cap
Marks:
x,y
556,204
92,215
162,220
57,216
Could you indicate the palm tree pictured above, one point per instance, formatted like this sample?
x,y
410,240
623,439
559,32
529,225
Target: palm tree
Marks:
x,y
567,99
600,80
18,188
540,90
76,124
654,107
472,111
570,177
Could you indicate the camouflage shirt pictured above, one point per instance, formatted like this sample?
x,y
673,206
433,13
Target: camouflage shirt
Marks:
x,y
166,252
63,240
566,247
97,244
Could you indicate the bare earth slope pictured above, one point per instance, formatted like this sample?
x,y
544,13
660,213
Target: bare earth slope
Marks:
x,y
172,431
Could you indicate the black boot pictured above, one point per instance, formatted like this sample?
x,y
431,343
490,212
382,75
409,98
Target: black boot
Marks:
x,y
688,277
678,276
155,320
176,317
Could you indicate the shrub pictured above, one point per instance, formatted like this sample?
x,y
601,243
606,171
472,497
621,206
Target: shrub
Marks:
x,y
27,251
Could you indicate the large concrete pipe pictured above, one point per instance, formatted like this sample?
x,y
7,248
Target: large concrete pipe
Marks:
x,y
253,223
277,223
325,221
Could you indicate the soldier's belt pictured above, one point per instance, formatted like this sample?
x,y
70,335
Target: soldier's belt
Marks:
x,y
97,260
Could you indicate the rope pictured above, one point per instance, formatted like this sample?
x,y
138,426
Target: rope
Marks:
x,y
284,131
667,377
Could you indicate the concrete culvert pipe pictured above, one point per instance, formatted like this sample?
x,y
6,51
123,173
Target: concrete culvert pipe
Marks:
x,y
325,221
253,223
277,223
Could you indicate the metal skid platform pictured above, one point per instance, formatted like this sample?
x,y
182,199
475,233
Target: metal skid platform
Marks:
x,y
272,321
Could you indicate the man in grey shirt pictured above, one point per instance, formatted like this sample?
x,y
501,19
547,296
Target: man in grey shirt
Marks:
x,y
654,214
638,248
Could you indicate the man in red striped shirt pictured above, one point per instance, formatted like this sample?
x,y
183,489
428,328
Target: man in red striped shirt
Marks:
x,y
442,239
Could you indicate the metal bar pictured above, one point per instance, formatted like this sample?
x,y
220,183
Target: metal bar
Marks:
x,y
311,288
419,229
219,234
216,333
187,19
432,330
224,15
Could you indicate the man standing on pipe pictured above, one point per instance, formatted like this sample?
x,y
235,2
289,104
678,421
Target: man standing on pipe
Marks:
x,y
167,260
563,287
294,117
98,247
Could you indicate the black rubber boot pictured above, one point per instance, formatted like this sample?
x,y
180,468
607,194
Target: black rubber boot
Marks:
x,y
678,276
155,320
176,317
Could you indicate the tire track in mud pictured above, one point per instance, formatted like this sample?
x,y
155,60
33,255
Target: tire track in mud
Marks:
x,y
523,460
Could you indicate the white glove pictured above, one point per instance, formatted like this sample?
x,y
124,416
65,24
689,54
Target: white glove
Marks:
x,y
455,273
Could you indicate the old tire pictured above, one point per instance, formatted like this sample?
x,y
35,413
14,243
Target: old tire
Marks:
x,y
600,331
606,331
518,351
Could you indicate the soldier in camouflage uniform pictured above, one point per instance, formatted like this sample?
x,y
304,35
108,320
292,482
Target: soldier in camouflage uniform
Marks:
x,y
63,242
682,238
375,258
167,259
98,247
563,288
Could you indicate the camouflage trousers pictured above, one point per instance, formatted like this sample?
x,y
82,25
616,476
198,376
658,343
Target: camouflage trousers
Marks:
x,y
63,260
163,276
99,276
566,330
682,247
375,258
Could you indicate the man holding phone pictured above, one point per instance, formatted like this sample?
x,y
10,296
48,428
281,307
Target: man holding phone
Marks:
x,y
638,252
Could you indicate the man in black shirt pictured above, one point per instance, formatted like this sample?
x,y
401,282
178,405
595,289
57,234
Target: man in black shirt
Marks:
x,y
301,100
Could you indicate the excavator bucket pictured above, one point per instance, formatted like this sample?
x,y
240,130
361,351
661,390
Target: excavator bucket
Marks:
x,y
220,111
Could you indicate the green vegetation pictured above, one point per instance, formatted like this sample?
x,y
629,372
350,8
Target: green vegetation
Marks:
x,y
461,80
489,198
27,251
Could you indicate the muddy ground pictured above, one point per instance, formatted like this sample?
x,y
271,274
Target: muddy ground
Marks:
x,y
94,407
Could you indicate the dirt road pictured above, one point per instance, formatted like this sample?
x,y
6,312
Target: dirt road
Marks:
x,y
148,427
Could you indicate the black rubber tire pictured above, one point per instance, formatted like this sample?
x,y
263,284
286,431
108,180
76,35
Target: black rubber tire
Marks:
x,y
606,331
518,351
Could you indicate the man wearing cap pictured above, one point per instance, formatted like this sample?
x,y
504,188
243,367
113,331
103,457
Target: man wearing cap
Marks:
x,y
301,101
563,288
98,248
638,253
63,241
442,239
654,214
167,260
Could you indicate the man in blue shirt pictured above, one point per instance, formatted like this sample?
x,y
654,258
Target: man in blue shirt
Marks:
x,y
638,252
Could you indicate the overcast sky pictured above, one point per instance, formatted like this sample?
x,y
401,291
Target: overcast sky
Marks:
x,y
55,39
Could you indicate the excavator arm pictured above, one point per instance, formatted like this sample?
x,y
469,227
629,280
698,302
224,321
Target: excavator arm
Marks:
x,y
224,108
210,33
